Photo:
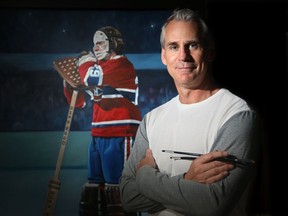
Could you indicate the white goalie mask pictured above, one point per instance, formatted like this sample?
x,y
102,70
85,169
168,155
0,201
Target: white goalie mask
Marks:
x,y
101,45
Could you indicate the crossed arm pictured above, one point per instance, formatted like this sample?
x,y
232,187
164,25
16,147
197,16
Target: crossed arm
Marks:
x,y
209,187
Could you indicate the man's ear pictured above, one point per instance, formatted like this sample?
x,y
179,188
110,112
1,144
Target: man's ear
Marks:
x,y
163,56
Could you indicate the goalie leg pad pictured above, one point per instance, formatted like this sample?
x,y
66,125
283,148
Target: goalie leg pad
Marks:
x,y
92,201
113,202
101,200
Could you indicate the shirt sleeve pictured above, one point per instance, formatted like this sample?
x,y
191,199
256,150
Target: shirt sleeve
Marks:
x,y
131,199
240,136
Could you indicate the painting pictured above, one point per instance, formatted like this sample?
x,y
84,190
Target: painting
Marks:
x,y
34,110
32,91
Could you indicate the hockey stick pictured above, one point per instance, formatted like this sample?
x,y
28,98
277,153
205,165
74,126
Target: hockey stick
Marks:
x,y
54,183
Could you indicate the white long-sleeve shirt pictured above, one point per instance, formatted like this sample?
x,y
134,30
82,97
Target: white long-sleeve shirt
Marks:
x,y
189,127
221,122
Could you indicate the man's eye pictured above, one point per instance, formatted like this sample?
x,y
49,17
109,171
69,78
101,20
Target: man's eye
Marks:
x,y
193,45
172,47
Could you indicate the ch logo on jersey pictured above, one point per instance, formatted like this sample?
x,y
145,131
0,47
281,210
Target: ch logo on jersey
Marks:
x,y
98,91
95,71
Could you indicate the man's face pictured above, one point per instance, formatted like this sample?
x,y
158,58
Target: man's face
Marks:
x,y
184,55
101,45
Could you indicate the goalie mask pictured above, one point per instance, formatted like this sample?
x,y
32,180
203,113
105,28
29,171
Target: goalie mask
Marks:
x,y
107,40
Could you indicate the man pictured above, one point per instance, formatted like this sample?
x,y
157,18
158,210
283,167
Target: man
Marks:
x,y
116,118
203,118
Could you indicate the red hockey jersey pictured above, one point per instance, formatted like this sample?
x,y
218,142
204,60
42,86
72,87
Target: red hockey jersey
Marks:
x,y
115,96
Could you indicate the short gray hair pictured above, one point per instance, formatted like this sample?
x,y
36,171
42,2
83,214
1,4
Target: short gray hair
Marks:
x,y
188,15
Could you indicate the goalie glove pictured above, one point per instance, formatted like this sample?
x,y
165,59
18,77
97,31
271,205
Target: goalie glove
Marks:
x,y
68,70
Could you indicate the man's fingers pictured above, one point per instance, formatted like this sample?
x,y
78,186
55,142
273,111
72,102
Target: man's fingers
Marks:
x,y
149,153
212,174
147,160
206,169
216,178
218,169
212,156
215,167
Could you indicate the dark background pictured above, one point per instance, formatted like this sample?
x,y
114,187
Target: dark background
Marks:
x,y
251,61
251,39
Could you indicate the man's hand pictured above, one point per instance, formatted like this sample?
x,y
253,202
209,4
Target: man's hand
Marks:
x,y
147,160
205,169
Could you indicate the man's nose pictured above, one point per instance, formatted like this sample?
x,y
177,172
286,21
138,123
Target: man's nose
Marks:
x,y
184,54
